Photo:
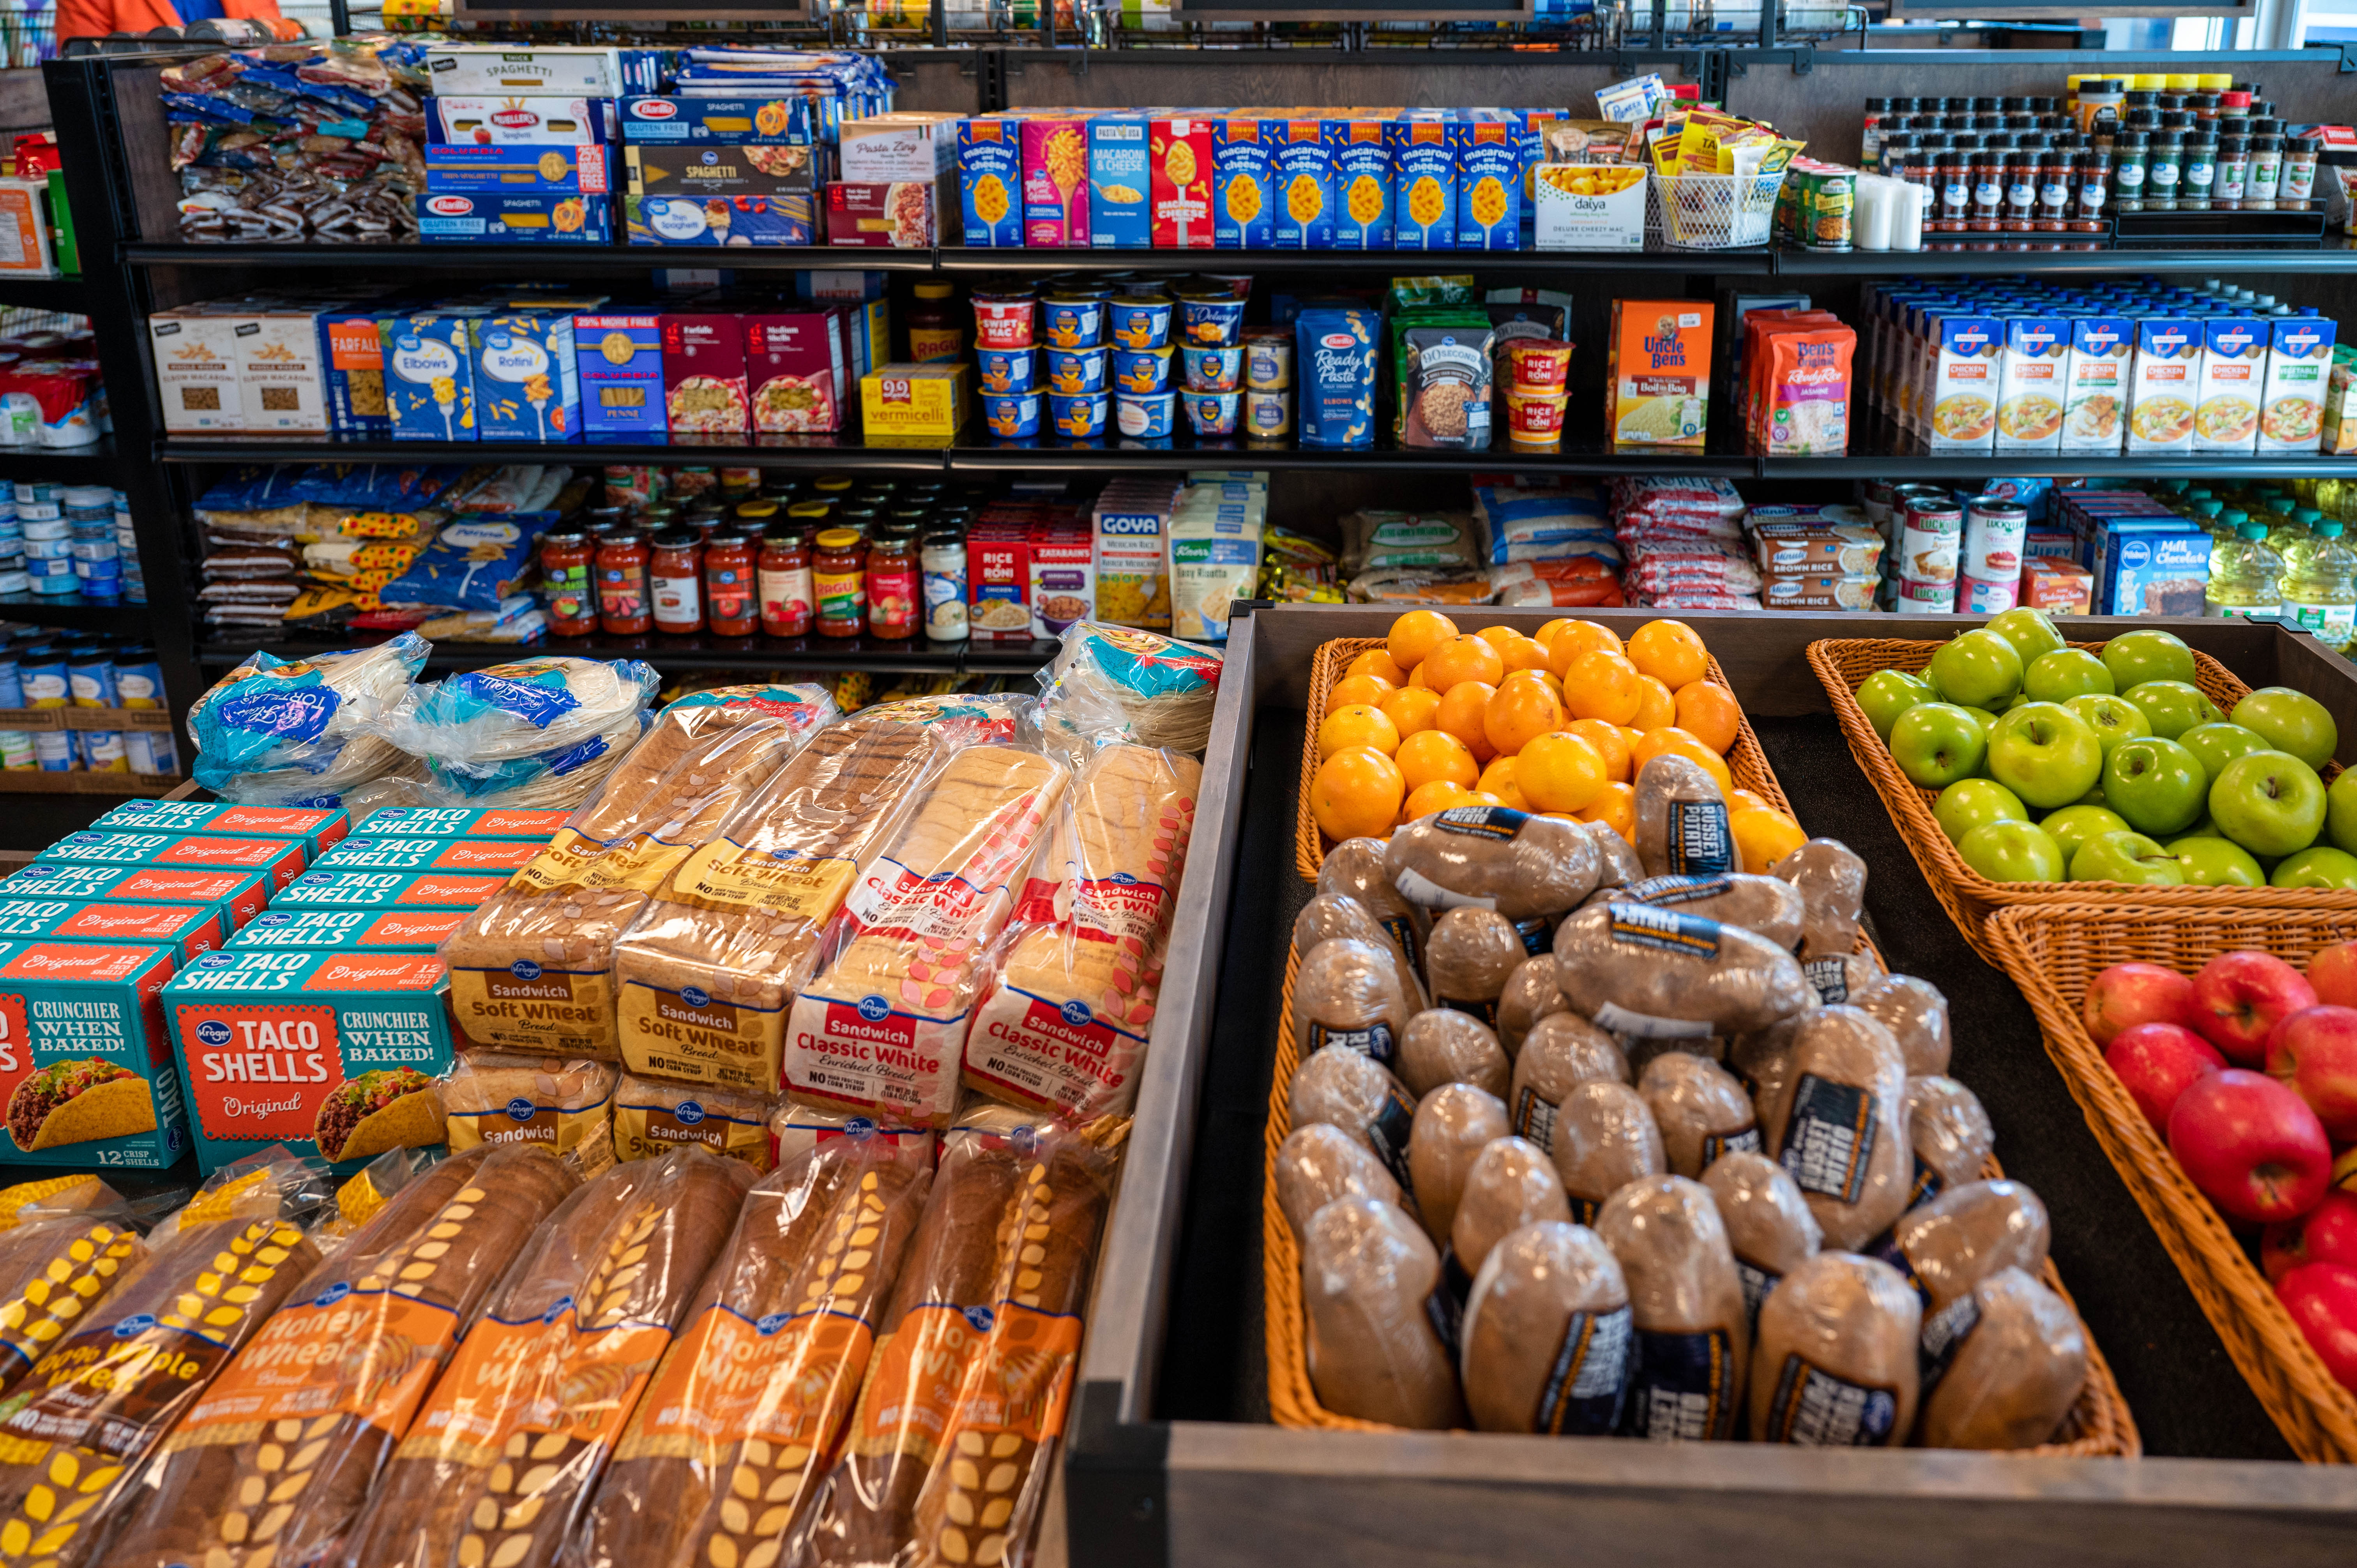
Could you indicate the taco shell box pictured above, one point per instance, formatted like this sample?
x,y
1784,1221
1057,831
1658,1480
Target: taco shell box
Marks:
x,y
186,928
85,1060
369,852
239,895
280,861
464,823
274,1046
347,889
220,819
349,930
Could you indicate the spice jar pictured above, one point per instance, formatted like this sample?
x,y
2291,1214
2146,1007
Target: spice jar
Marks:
x,y
2163,171
783,578
730,607
839,581
1988,183
944,560
2094,172
672,572
935,335
622,606
1952,175
2130,150
2233,174
2054,183
2299,188
2022,166
2266,173
2200,176
567,561
1877,115
892,584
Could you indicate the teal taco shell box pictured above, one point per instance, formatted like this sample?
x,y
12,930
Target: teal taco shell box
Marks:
x,y
223,818
350,930
362,888
66,1001
186,928
280,860
239,895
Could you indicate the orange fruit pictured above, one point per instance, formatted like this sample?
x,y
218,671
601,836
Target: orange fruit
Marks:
x,y
1437,796
1520,713
1411,708
1670,651
1357,725
1356,792
1369,690
1462,659
1498,637
1480,798
1545,634
1534,678
1600,685
1502,779
1611,744
1764,837
1416,635
1575,638
1676,742
1710,712
1656,709
1434,755
1632,734
1747,800
1560,772
1617,809
1463,707
1378,662
1521,653
1415,677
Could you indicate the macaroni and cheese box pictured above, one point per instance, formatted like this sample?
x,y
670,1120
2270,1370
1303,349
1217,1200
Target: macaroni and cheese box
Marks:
x,y
1055,180
86,1056
220,819
1588,206
1488,184
1181,163
515,218
1301,178
526,386
1242,216
464,823
737,122
2299,363
1423,185
350,930
279,860
617,360
429,373
914,404
240,895
1657,380
1363,182
355,889
990,181
380,852
522,119
2164,381
328,1052
2029,392
186,928
571,168
2095,382
2233,370
1120,187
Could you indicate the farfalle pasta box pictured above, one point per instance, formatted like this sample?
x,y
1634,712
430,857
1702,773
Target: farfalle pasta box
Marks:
x,y
704,374
2300,366
1055,180
86,1065
990,181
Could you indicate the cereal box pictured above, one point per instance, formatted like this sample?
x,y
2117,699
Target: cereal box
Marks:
x,y
1488,184
914,404
990,181
352,355
1242,216
429,374
1335,359
794,367
579,169
1183,162
2095,382
1962,395
1055,180
1423,185
512,218
508,119
2233,370
1301,176
526,385
617,360
1133,581
1657,379
1120,188
2030,383
2164,379
704,375
2291,405
196,354
85,1056
738,122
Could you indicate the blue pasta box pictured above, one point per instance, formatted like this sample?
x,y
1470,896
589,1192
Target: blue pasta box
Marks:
x,y
1120,206
773,219
1424,184
618,362
1363,182
583,168
1301,176
429,374
1243,215
990,181
739,122
512,218
526,387
1488,184
1334,363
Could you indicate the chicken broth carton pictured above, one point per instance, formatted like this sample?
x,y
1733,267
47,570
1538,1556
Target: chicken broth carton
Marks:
x,y
85,1060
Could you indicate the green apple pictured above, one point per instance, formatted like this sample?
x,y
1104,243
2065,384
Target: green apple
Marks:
x,y
2126,857
1979,669
1887,693
2270,803
2209,861
2341,812
1968,803
2290,721
2094,796
2012,852
2172,707
2218,745
1982,716
2156,784
2139,656
2320,865
2205,826
1935,744
2074,825
2072,672
2030,632
2046,753
2112,719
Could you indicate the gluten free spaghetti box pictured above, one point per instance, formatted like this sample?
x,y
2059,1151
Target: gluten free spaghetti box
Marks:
x,y
85,1061
335,1052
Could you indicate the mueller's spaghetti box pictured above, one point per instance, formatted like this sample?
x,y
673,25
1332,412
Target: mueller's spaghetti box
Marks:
x,y
2233,372
618,360
335,1052
1120,183
2300,366
2164,379
1961,394
1181,161
1657,383
704,374
526,387
1055,180
2095,383
375,852
1362,181
240,895
1424,184
85,1056
464,823
2030,388
350,930
990,181
186,928
281,860
512,120
1488,184
795,371
352,888
1243,215
1301,177
220,819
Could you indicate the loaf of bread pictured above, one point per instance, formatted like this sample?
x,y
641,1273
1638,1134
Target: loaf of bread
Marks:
x,y
653,1118
512,1441
57,1266
532,967
750,1399
797,1127
490,1097
277,1459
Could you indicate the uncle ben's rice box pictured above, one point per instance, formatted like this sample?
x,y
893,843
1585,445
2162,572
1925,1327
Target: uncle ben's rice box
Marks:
x,y
85,1062
1657,383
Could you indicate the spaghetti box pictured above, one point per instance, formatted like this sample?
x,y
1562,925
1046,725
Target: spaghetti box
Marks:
x,y
386,852
240,895
1301,186
85,1058
462,69
618,361
1243,217
280,861
350,930
1120,184
186,928
517,120
737,122
990,181
778,218
526,387
356,889
515,218
220,819
1423,185
722,169
465,822
572,169
280,1047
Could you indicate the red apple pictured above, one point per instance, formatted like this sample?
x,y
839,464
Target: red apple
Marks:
x,y
2156,1061
2252,1146
2315,1052
2322,1299
2127,994
2325,1234
2238,999
2333,973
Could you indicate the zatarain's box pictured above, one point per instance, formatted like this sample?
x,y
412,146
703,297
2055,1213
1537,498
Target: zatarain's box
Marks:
x,y
332,1051
373,852
85,1062
186,928
220,819
281,860
350,931
239,895
464,823
353,888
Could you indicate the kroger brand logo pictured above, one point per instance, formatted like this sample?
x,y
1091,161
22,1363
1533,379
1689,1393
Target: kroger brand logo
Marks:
x,y
275,920
141,1322
522,1110
449,205
710,158
689,1113
655,111
874,1009
1077,1013
694,995
980,1316
524,969
333,1294
212,1032
770,1322
859,1128
215,961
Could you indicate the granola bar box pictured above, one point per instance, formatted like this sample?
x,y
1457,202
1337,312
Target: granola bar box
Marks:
x,y
85,1058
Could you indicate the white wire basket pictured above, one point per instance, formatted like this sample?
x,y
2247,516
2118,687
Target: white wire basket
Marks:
x,y
1711,211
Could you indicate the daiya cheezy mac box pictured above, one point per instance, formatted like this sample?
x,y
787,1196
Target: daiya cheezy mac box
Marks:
x,y
332,888
186,928
281,860
463,822
373,852
85,1058
220,819
350,930
240,895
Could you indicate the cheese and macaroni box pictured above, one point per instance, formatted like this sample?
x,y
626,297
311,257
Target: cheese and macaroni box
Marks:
x,y
350,930
356,889
1423,185
1488,184
1243,217
463,822
186,928
1055,180
2291,401
1363,182
240,895
85,1058
281,860
220,819
1657,383
990,181
1120,215
333,1052
1301,182
1180,160
385,852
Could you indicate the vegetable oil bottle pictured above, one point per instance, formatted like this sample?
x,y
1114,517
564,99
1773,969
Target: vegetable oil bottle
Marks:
x,y
2291,533
2246,576
2319,594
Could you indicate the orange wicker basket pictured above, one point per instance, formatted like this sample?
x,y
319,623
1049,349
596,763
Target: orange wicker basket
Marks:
x,y
2099,1426
1842,665
1744,761
2053,951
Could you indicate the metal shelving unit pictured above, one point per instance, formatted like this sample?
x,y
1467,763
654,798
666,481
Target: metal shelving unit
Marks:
x,y
906,657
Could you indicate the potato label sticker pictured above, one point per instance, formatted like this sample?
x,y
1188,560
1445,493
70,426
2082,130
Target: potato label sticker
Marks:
x,y
1388,1135
1816,1409
1829,1142
1663,930
1535,1119
1679,1391
1583,1396
1944,1333
1375,1040
1757,1283
1442,1309
1717,1144
1831,978
1498,823
1662,890
1699,840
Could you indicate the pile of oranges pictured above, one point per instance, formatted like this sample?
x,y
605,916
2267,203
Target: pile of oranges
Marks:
x,y
1559,724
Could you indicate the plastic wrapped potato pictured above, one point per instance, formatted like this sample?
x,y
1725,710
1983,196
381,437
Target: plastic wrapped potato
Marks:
x,y
1320,1163
1332,915
1692,1338
1546,1335
1662,974
1511,1184
1681,823
1615,855
1949,1133
1349,1090
1529,995
1700,1109
1966,1234
1349,993
1917,1016
1453,1124
1444,1046
1768,1225
1840,1129
1470,957
1366,1274
1604,1139
1834,1365
2002,1366
1356,867
1489,857
1760,905
1832,883
1564,1050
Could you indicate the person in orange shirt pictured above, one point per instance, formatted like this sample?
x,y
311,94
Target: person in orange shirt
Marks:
x,y
97,18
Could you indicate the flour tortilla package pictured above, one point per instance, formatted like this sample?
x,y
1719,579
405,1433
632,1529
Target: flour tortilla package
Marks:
x,y
508,734
270,727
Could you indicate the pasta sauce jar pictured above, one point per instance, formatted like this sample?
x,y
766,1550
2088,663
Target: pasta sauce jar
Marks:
x,y
839,582
622,610
728,587
783,576
892,584
678,596
567,565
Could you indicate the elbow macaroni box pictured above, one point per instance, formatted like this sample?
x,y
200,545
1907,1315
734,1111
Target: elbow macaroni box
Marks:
x,y
332,1052
465,822
195,350
1180,160
1657,383
990,181
350,930
618,362
1488,184
1242,216
281,374
220,819
240,895
1423,185
383,852
186,928
1363,182
2299,363
1055,180
279,860
1301,180
1120,187
353,888
429,373
526,387
2233,372
85,1056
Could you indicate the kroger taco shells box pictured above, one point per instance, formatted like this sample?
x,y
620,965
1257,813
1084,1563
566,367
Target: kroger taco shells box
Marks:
x,y
220,819
239,895
352,930
331,1051
373,852
186,928
352,888
279,860
464,823
85,1061
1657,385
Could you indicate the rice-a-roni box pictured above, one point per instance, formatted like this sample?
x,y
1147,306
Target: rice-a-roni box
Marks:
x,y
333,1052
281,860
239,895
355,888
187,929
400,851
224,818
350,930
464,823
85,1059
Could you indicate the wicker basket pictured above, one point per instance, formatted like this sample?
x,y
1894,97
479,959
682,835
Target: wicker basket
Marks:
x,y
2053,951
1969,897
2099,1426
1744,761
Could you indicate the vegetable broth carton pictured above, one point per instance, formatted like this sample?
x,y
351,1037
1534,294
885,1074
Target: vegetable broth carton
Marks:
x,y
85,1056
2291,400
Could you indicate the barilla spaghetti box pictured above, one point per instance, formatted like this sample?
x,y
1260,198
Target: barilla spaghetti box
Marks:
x,y
1301,174
1120,184
85,1057
1488,184
515,218
1180,160
1424,184
279,860
464,823
990,181
220,819
1055,180
356,889
186,928
1362,181
375,852
350,930
335,1052
1242,216
734,122
617,360
240,895
526,387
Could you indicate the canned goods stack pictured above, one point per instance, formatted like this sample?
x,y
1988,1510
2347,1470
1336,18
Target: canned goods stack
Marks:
x,y
1538,372
1211,355
48,538
1990,566
13,579
1268,383
97,558
126,547
43,672
1005,348
1930,526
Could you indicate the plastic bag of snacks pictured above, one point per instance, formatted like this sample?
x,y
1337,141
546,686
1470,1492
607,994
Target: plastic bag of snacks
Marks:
x,y
269,725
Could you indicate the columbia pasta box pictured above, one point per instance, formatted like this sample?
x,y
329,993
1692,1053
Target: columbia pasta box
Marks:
x,y
332,1051
85,1061
240,895
1657,385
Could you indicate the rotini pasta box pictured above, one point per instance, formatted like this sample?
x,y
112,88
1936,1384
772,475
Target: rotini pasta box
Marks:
x,y
1488,184
1056,180
1363,179
85,1055
1423,185
1301,174
526,386
1119,185
1182,162
1657,383
2291,404
990,181
1241,215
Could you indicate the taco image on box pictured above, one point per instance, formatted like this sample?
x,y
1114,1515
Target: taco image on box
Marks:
x,y
396,1108
78,1100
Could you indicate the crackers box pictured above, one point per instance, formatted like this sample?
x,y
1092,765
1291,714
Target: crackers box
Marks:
x,y
1301,182
353,888
704,374
1657,384
186,928
240,895
70,1010
1121,183
280,861
795,370
465,822
350,930
922,405
220,819
1242,216
788,122
618,360
1055,180
1181,164
526,386
990,181
375,852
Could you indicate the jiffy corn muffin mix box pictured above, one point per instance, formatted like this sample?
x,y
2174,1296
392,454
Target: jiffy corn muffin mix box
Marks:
x,y
85,1059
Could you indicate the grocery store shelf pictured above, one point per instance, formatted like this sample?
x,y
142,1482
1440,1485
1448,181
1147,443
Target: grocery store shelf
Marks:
x,y
981,455
533,260
753,452
673,654
44,294
71,612
91,465
1754,263
1989,465
2333,255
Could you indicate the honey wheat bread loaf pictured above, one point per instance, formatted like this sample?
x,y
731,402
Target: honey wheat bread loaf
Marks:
x,y
1546,1335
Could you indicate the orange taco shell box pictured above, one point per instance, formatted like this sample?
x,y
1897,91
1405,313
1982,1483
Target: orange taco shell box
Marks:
x,y
223,818
280,861
355,888
350,930
186,928
463,822
239,895
86,1064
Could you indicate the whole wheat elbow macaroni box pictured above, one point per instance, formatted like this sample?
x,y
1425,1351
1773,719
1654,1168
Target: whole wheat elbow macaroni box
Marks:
x,y
371,852
280,861
220,819
396,929
354,888
186,928
85,1059
240,895
264,1040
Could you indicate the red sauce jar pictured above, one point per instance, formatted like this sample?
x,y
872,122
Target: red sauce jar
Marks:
x,y
672,571
567,565
839,578
623,606
892,586
784,579
730,607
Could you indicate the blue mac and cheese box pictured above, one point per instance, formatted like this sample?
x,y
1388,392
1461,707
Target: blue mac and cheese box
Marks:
x,y
1243,218
990,181
1120,184
1302,180
1423,185
1488,184
1363,182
